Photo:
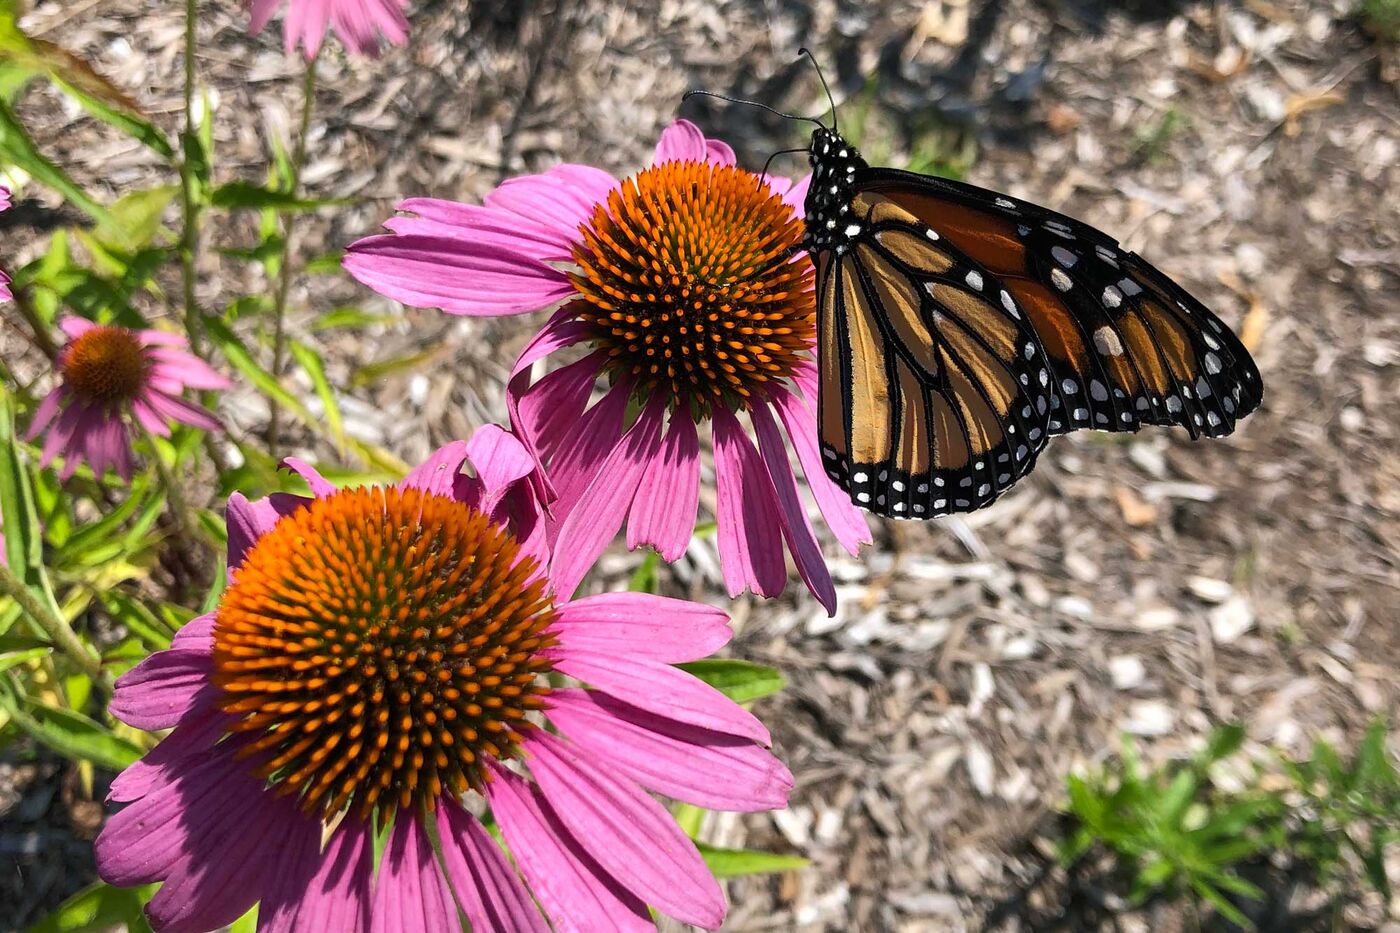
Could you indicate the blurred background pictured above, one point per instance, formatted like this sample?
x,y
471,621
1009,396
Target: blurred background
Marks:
x,y
1142,585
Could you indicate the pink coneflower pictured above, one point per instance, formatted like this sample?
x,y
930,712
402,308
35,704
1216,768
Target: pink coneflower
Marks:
x,y
358,23
380,657
109,375
684,287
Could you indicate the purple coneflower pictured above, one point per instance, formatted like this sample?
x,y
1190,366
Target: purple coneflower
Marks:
x,y
683,288
109,375
359,23
386,660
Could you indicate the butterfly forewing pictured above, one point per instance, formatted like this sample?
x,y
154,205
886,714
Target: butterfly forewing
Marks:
x,y
934,393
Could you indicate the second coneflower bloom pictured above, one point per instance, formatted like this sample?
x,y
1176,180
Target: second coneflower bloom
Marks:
x,y
111,381
384,661
684,289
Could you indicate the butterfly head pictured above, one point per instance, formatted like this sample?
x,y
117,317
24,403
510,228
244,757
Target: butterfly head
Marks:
x,y
835,165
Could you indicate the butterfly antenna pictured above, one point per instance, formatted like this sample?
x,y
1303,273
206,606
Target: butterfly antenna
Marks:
x,y
822,78
763,176
751,103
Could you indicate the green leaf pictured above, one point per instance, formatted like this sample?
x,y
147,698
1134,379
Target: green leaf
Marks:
x,y
1178,796
18,517
735,863
18,649
134,219
347,316
646,578
370,373
741,681
242,359
1224,742
1372,765
69,733
99,907
242,195
310,361
17,149
1222,906
137,617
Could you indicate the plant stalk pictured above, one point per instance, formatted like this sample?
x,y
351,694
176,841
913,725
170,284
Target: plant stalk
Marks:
x,y
58,631
189,209
284,265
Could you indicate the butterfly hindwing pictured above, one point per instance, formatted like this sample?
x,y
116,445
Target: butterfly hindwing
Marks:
x,y
938,398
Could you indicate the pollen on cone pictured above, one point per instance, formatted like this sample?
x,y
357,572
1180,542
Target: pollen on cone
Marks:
x,y
105,366
687,280
378,646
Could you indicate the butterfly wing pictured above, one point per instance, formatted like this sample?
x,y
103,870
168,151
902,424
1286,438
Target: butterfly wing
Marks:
x,y
935,394
1126,345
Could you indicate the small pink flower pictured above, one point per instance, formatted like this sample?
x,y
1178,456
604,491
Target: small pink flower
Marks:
x,y
108,375
358,23
379,655
692,302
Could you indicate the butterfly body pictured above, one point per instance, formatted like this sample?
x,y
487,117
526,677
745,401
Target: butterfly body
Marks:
x,y
959,329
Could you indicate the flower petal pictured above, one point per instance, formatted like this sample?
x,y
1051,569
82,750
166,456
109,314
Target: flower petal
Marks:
x,y
553,405
491,895
219,884
458,276
438,474
749,528
796,196
595,518
709,769
632,837
797,530
74,327
191,741
505,230
197,634
45,412
559,199
320,486
663,690
332,893
410,894
577,895
162,689
500,461
681,141
657,628
177,409
845,520
249,520
668,500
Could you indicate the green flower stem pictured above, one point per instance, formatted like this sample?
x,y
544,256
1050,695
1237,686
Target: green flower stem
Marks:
x,y
58,631
284,264
179,508
189,209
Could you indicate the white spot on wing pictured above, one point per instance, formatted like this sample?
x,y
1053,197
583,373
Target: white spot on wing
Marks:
x,y
1106,341
974,279
1062,281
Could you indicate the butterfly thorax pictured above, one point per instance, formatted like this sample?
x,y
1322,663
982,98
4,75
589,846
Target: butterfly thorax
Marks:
x,y
835,163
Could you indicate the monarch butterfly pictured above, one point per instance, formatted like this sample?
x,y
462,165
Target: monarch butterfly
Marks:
x,y
959,329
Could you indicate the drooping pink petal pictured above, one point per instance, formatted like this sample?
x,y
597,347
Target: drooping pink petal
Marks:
x,y
147,417
797,530
500,461
576,893
458,276
709,769
162,338
587,445
719,152
45,412
491,895
159,691
663,690
748,525
562,329
550,407
248,521
216,887
187,818
191,741
438,474
186,368
845,520
595,518
177,409
319,485
410,893
668,500
657,628
334,895
60,432
630,835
